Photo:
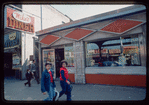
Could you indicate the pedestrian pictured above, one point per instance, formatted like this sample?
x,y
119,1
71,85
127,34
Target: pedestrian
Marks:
x,y
48,84
64,82
28,77
34,71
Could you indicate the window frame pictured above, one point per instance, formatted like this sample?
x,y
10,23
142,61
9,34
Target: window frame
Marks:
x,y
113,38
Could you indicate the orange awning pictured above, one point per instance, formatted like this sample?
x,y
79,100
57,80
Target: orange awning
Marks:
x,y
78,33
49,39
121,25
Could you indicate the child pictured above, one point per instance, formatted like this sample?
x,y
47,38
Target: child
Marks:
x,y
64,82
47,83
28,77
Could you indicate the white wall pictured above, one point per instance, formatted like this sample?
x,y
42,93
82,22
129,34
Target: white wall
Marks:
x,y
50,18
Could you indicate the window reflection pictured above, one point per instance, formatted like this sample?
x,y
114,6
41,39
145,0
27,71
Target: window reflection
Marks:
x,y
122,51
69,55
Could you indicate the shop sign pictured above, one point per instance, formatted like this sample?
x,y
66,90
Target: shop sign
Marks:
x,y
11,39
20,21
21,17
113,51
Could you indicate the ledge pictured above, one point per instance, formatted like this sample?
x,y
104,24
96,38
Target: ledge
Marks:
x,y
130,70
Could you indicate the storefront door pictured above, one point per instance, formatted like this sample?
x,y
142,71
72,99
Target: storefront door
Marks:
x,y
8,72
49,57
59,56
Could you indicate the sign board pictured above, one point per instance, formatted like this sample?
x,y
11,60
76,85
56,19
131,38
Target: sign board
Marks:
x,y
19,21
16,61
12,39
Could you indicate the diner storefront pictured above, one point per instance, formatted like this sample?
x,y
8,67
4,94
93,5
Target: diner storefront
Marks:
x,y
20,24
108,48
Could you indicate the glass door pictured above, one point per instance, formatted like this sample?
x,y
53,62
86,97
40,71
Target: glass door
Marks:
x,y
49,57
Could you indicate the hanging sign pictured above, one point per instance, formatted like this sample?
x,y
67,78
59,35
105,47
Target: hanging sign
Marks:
x,y
20,21
11,39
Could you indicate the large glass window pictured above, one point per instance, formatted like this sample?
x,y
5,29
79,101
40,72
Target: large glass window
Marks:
x,y
69,55
122,51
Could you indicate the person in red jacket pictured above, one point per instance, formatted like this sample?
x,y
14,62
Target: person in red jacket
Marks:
x,y
64,82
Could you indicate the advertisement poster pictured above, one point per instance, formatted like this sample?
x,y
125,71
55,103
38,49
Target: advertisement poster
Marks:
x,y
16,61
49,57
11,39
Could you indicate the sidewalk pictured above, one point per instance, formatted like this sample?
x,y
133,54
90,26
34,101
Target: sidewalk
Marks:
x,y
15,90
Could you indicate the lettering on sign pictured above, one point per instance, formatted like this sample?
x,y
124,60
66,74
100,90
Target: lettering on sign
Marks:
x,y
20,21
20,25
21,17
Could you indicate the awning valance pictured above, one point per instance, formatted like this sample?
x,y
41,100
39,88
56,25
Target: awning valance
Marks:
x,y
79,33
121,25
49,39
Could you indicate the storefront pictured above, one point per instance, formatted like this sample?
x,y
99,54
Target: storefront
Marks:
x,y
16,27
109,48
21,21
12,54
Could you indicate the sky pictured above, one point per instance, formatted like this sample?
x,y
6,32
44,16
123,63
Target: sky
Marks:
x,y
76,12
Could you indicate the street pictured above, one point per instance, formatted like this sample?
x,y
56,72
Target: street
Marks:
x,y
16,90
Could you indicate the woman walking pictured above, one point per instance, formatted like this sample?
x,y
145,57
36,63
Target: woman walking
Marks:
x,y
64,82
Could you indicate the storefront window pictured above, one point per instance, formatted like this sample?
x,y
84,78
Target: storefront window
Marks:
x,y
49,57
122,51
69,55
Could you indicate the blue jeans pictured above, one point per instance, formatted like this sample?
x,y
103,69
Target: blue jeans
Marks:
x,y
65,88
51,94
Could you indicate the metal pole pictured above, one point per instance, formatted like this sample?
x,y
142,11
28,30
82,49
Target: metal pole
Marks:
x,y
41,15
121,45
40,68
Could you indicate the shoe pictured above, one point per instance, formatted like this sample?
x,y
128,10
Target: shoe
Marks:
x,y
56,96
25,84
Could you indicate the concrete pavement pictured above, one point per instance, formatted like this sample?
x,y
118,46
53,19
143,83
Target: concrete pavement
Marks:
x,y
15,90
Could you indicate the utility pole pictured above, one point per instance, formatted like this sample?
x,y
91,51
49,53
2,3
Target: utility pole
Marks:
x,y
40,71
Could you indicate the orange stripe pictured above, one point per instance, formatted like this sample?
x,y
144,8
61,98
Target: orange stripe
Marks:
x,y
71,77
125,80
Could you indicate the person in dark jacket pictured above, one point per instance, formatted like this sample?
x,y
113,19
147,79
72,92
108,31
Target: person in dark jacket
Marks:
x,y
64,82
28,77
34,71
47,83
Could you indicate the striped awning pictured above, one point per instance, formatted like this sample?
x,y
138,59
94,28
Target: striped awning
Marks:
x,y
49,39
121,25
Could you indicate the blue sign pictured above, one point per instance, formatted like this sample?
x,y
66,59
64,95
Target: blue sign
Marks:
x,y
11,39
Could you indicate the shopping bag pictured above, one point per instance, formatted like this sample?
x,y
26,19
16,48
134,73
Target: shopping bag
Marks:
x,y
56,95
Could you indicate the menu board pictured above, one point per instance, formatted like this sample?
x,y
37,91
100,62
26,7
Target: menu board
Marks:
x,y
49,57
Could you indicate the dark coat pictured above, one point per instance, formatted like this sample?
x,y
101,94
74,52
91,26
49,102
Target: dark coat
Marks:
x,y
28,75
46,81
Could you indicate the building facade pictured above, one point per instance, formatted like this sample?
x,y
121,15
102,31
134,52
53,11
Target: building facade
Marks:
x,y
20,24
108,48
